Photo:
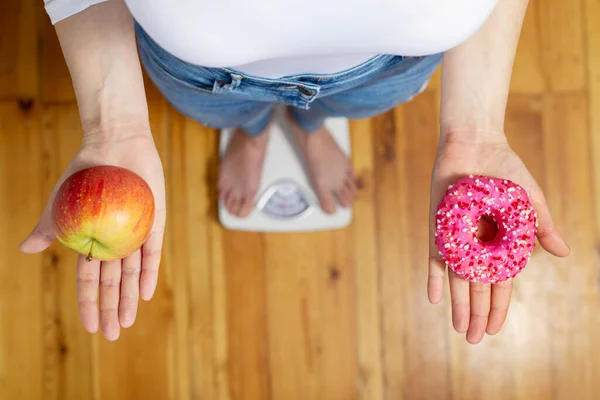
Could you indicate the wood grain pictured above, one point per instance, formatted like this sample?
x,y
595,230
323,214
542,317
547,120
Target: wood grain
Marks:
x,y
528,74
566,137
592,12
529,310
366,266
562,36
19,69
22,354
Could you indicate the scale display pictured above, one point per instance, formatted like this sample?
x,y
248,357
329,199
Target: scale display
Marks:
x,y
284,200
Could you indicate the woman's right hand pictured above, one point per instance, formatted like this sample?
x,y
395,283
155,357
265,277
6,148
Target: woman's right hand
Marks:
x,y
119,283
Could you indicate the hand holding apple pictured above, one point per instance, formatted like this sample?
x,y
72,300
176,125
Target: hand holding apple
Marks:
x,y
109,204
103,212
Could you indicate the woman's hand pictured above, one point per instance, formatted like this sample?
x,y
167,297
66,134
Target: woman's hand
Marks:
x,y
482,308
120,282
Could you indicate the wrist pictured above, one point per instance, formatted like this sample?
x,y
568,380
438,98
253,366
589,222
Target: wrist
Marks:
x,y
471,132
111,114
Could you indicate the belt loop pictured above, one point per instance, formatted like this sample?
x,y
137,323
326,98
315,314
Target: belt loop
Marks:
x,y
235,82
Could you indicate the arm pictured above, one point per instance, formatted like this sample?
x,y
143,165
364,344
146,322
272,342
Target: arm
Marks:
x,y
475,84
476,75
99,47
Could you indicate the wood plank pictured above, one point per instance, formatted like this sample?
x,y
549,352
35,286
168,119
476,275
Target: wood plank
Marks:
x,y
198,277
21,318
528,74
562,37
246,315
364,227
592,12
335,277
19,49
293,307
312,348
219,279
176,252
575,294
392,256
529,314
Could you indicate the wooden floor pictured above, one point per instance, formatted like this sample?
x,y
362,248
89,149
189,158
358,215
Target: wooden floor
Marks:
x,y
334,315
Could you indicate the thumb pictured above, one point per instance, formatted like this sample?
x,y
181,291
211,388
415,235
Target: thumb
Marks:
x,y
40,238
548,235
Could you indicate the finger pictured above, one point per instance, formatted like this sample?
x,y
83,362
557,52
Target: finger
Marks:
x,y
501,293
151,253
548,235
435,281
40,238
88,277
110,284
130,289
461,310
480,310
437,268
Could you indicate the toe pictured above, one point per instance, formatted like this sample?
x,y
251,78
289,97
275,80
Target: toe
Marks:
x,y
326,200
222,191
237,206
225,195
345,197
246,206
350,186
231,202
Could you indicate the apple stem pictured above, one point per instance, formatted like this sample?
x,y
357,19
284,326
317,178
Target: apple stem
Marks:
x,y
89,256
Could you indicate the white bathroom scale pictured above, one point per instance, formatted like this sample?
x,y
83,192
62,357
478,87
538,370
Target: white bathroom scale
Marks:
x,y
285,201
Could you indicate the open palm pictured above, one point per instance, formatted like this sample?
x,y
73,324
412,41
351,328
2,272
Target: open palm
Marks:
x,y
482,308
119,283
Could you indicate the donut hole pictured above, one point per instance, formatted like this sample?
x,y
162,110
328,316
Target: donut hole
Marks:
x,y
487,229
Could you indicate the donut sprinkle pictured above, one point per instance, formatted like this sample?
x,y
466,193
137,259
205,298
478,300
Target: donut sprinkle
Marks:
x,y
504,203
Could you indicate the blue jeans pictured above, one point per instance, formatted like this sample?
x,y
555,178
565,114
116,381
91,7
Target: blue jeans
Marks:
x,y
226,98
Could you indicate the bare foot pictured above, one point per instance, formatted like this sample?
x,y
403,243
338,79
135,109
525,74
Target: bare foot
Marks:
x,y
240,171
329,168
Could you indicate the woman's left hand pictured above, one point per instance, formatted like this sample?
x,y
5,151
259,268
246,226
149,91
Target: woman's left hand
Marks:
x,y
481,308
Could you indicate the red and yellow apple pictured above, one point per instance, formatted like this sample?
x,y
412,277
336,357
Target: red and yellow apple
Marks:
x,y
103,212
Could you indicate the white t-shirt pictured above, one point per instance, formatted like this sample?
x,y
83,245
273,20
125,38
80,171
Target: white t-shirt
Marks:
x,y
272,38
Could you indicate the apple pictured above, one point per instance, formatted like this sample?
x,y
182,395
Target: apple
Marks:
x,y
104,212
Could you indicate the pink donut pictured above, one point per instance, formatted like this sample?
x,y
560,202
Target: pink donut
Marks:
x,y
457,218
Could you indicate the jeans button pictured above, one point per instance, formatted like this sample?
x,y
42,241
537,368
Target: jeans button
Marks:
x,y
305,91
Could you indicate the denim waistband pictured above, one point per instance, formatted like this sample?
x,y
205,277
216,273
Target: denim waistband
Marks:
x,y
299,90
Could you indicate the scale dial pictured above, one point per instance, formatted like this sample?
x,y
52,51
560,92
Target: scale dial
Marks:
x,y
284,200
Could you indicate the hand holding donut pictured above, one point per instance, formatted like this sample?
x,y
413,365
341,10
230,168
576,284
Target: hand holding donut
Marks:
x,y
474,179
